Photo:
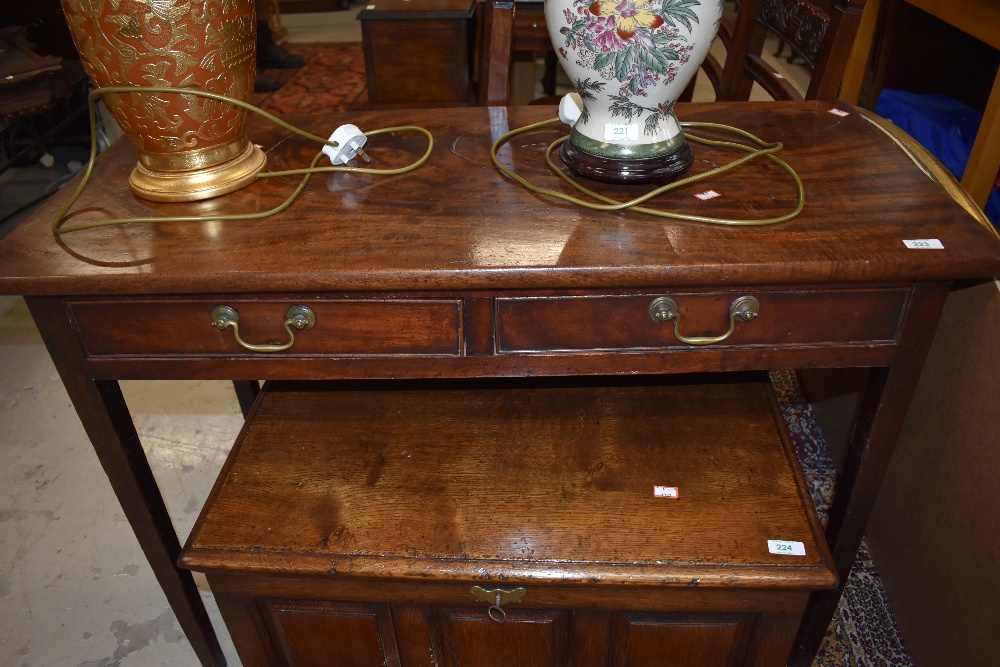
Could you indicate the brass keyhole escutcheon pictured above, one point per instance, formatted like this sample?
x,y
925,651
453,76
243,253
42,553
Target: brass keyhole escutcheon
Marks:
x,y
497,598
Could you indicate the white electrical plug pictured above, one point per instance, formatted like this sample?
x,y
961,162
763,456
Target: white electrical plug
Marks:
x,y
350,141
570,108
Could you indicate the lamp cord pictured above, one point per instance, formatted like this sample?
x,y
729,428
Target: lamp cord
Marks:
x,y
58,228
759,148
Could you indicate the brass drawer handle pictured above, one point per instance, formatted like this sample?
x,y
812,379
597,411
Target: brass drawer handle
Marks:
x,y
497,598
664,309
298,317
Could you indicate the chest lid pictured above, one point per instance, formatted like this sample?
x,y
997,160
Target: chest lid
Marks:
x,y
632,482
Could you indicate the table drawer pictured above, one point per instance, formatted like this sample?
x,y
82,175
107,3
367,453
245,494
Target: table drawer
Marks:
x,y
342,327
540,324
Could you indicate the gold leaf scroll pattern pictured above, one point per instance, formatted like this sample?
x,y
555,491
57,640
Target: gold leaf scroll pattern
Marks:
x,y
168,43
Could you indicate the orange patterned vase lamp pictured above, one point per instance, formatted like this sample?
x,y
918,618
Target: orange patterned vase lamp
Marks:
x,y
190,147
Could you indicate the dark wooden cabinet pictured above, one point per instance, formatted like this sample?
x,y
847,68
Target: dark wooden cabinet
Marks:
x,y
360,635
511,524
418,52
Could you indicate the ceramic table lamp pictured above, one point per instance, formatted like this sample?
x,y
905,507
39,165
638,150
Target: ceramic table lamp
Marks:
x,y
630,60
189,147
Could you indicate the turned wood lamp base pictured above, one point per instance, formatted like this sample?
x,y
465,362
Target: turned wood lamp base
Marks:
x,y
661,169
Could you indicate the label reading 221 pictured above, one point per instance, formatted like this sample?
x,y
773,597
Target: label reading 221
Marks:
x,y
621,132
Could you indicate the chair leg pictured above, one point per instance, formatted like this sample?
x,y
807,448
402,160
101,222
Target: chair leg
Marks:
x,y
550,73
246,394
688,93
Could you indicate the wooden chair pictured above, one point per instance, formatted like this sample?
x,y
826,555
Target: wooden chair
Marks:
x,y
499,32
711,66
495,37
823,38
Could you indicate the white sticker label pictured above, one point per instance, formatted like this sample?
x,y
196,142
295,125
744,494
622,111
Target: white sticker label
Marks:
x,y
924,244
839,112
621,132
709,194
666,492
786,548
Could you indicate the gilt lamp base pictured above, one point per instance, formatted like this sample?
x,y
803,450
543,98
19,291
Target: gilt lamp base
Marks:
x,y
197,184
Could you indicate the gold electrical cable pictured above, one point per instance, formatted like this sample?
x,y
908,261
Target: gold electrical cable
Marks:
x,y
306,173
763,149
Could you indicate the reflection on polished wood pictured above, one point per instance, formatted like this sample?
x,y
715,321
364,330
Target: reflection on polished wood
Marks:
x,y
458,224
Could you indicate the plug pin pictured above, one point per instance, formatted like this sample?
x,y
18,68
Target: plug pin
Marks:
x,y
346,142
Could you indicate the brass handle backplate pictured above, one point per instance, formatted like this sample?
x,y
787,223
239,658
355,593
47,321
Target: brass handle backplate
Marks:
x,y
298,317
664,309
497,598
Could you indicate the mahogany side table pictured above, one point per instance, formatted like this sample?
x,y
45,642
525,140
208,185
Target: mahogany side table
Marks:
x,y
455,271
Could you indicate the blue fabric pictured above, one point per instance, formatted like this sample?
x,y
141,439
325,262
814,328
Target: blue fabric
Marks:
x,y
943,125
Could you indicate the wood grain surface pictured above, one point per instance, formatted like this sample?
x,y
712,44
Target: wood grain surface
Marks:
x,y
546,482
457,223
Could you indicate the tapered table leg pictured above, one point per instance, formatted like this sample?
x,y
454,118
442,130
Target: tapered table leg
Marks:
x,y
109,426
246,394
879,422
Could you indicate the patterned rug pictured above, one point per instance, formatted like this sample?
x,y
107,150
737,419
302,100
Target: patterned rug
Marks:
x,y
863,632
333,79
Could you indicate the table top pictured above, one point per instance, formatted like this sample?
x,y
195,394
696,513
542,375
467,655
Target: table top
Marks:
x,y
458,224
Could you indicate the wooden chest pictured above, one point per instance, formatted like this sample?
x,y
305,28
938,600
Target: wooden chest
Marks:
x,y
513,524
418,52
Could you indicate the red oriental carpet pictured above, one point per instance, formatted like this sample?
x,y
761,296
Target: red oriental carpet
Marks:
x,y
333,79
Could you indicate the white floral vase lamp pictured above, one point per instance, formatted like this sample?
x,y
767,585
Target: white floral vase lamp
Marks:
x,y
630,60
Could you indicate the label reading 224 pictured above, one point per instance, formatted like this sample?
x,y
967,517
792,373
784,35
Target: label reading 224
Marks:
x,y
786,547
621,132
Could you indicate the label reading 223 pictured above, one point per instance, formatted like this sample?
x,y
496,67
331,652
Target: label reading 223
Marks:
x,y
621,132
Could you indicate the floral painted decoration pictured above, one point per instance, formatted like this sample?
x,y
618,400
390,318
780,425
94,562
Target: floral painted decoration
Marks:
x,y
638,43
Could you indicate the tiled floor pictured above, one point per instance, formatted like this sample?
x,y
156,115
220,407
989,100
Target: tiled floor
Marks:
x,y
75,589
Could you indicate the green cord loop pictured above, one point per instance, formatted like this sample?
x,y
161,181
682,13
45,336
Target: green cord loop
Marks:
x,y
763,149
306,174
760,148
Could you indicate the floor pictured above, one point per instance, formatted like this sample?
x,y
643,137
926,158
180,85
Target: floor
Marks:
x,y
75,589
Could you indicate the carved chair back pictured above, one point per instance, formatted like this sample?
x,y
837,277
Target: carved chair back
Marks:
x,y
821,32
